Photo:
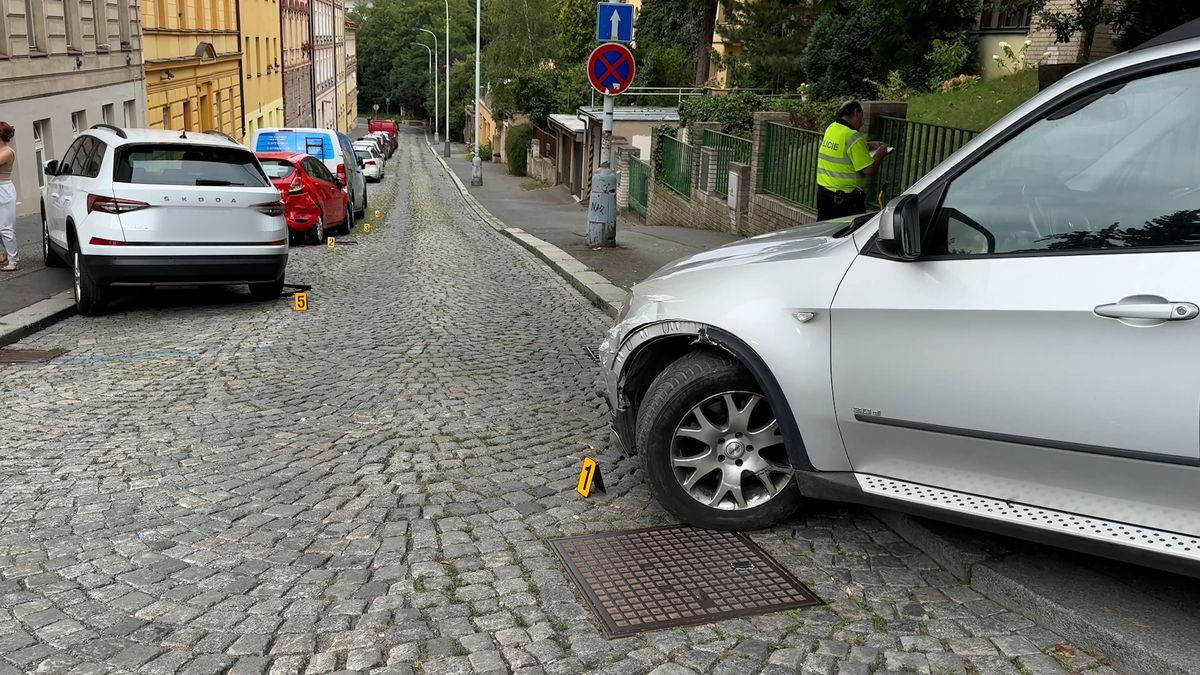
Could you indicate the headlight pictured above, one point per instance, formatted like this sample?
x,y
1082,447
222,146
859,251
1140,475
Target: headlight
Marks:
x,y
624,310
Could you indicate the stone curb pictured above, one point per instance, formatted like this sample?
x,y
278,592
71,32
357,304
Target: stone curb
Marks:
x,y
1134,634
39,315
600,291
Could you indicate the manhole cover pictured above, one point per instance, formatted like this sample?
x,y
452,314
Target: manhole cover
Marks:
x,y
662,577
28,355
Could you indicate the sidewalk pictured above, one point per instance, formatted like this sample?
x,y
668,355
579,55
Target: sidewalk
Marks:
x,y
553,215
33,282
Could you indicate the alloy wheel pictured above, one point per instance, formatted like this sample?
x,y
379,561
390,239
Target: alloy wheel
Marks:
x,y
727,452
75,262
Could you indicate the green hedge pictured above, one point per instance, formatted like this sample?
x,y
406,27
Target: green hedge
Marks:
x,y
516,148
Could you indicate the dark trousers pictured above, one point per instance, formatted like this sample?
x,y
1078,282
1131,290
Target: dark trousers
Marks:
x,y
832,204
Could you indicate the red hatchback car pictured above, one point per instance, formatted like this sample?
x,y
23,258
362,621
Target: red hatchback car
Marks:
x,y
313,198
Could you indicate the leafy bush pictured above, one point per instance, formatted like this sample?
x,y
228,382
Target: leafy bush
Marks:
x,y
894,89
955,55
516,148
812,115
734,112
838,58
958,82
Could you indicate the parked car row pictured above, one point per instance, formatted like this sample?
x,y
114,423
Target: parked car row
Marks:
x,y
148,207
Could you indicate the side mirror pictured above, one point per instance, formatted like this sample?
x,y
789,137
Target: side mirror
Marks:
x,y
360,162
50,168
900,229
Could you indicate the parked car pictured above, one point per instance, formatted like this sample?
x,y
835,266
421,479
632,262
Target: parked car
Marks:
x,y
376,142
333,148
145,207
314,200
390,126
373,166
390,143
1009,344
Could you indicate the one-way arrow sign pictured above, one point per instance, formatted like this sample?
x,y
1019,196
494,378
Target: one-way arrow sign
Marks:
x,y
614,22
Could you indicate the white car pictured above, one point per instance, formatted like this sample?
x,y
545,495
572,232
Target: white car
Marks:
x,y
147,207
372,161
1010,344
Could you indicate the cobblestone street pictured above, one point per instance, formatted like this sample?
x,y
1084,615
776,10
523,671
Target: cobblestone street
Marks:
x,y
204,483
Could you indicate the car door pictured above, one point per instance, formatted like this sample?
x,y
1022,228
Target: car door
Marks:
x,y
56,187
1042,348
331,196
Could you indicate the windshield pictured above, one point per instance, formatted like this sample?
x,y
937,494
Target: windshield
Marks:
x,y
277,168
362,154
188,165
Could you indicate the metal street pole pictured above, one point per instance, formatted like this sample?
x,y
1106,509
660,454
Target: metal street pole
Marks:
x,y
602,205
431,57
446,149
436,95
477,162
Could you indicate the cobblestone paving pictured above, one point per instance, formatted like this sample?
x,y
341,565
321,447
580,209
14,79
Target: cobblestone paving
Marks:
x,y
208,484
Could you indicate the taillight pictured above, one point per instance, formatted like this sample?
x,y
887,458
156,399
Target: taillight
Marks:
x,y
97,241
341,173
279,242
274,208
296,187
369,162
113,205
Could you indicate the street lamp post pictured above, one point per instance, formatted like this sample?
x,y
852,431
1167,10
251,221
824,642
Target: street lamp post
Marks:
x,y
446,149
436,115
477,162
430,69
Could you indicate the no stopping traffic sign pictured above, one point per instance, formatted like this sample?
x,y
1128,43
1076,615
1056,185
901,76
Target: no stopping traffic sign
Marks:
x,y
611,68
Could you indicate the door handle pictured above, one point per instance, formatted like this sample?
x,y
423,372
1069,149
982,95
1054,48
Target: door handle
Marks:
x,y
1158,311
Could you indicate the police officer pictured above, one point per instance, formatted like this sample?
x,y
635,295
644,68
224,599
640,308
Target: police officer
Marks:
x,y
843,164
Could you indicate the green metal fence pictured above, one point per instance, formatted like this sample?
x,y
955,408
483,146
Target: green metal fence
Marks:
x,y
728,149
919,146
639,174
676,169
790,163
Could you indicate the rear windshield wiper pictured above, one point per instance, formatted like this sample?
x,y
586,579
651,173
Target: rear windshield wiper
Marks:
x,y
217,183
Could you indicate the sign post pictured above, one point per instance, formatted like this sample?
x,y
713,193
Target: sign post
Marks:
x,y
610,70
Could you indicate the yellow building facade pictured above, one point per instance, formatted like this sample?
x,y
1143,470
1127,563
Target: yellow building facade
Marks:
x,y
262,70
193,63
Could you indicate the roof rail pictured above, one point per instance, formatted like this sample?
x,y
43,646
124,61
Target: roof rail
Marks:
x,y
116,130
222,134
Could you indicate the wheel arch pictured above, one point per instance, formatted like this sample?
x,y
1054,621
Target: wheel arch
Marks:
x,y
654,347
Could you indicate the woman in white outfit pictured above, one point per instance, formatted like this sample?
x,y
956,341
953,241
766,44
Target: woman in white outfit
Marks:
x,y
10,261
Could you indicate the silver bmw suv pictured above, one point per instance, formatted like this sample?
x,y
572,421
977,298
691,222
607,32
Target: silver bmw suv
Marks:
x,y
1011,344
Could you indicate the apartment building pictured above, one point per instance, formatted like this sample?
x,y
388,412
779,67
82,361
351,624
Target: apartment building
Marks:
x,y
262,71
296,33
350,78
193,65
64,66
324,64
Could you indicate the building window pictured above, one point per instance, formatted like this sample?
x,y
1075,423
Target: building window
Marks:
x,y
106,113
71,19
220,113
187,115
123,24
130,113
258,56
99,21
78,122
166,117
1005,15
33,21
40,132
160,7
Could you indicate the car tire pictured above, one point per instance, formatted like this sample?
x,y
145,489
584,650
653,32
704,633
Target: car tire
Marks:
x,y
669,430
316,235
361,213
348,221
268,290
90,297
49,257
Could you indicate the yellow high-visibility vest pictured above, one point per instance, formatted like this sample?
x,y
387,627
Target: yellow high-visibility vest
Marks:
x,y
843,155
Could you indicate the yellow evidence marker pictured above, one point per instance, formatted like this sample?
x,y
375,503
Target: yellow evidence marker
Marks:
x,y
301,301
378,213
589,477
366,228
330,243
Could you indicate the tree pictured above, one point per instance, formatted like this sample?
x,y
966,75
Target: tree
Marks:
x,y
522,34
839,55
773,34
576,30
1135,21
708,24
663,24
